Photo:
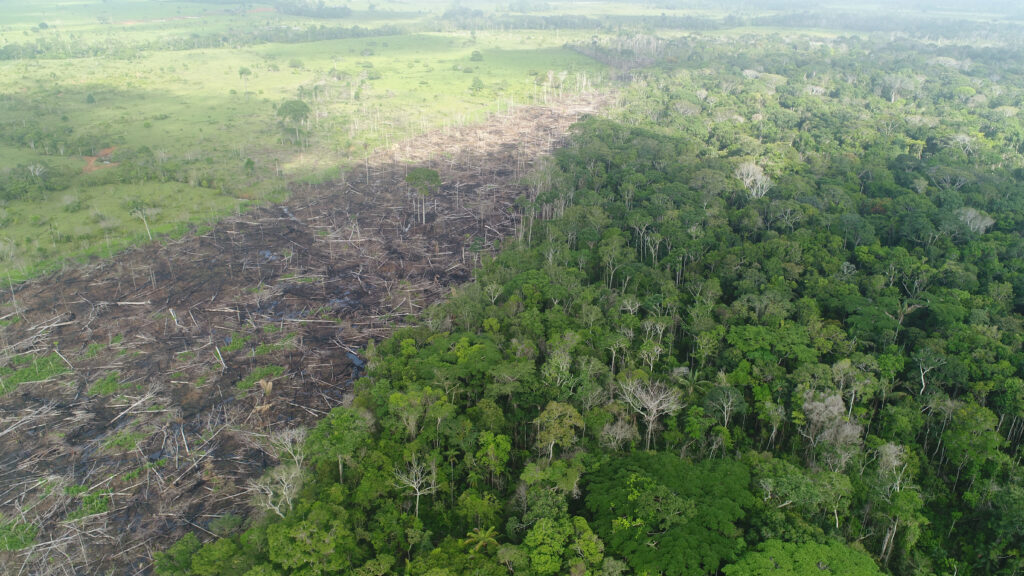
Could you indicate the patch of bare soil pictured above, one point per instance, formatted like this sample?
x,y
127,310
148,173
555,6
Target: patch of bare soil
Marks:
x,y
101,160
180,358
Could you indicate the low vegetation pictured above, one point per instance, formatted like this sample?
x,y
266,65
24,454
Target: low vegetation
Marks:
x,y
109,384
16,535
261,373
30,368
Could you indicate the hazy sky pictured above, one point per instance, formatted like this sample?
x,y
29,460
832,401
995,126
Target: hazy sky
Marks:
x,y
1015,7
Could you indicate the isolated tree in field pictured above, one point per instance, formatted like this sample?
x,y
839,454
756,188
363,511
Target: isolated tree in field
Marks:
x,y
244,74
651,400
423,181
754,179
294,111
140,209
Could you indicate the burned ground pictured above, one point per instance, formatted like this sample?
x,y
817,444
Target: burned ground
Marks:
x,y
140,392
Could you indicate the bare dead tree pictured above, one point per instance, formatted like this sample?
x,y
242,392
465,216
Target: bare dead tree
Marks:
x,y
975,219
892,479
493,291
896,85
948,179
418,478
829,433
616,434
928,358
289,445
754,179
892,469
651,400
965,142
276,490
725,400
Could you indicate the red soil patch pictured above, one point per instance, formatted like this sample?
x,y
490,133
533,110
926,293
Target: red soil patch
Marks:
x,y
104,156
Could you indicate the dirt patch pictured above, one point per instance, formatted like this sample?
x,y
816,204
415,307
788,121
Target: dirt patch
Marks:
x,y
167,367
101,160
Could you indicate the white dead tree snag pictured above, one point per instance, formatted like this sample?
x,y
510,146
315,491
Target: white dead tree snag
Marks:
x,y
651,400
754,179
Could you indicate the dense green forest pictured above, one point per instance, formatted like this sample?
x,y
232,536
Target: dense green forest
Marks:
x,y
767,319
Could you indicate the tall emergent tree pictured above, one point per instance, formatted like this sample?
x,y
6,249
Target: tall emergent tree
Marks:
x,y
295,112
423,181
244,74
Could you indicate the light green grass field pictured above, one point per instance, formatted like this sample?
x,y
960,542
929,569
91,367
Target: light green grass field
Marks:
x,y
99,221
192,120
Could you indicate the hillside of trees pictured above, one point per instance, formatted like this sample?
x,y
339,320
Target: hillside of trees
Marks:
x,y
766,319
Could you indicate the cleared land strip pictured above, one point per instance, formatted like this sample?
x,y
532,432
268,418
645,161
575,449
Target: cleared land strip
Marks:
x,y
145,392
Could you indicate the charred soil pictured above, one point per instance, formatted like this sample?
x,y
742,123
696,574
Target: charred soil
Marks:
x,y
138,393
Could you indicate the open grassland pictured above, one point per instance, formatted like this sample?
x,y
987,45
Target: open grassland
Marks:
x,y
141,21
101,151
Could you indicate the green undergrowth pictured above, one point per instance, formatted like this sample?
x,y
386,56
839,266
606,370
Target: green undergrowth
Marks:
x,y
93,350
257,374
108,385
285,343
92,503
237,342
16,535
22,369
41,233
123,441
